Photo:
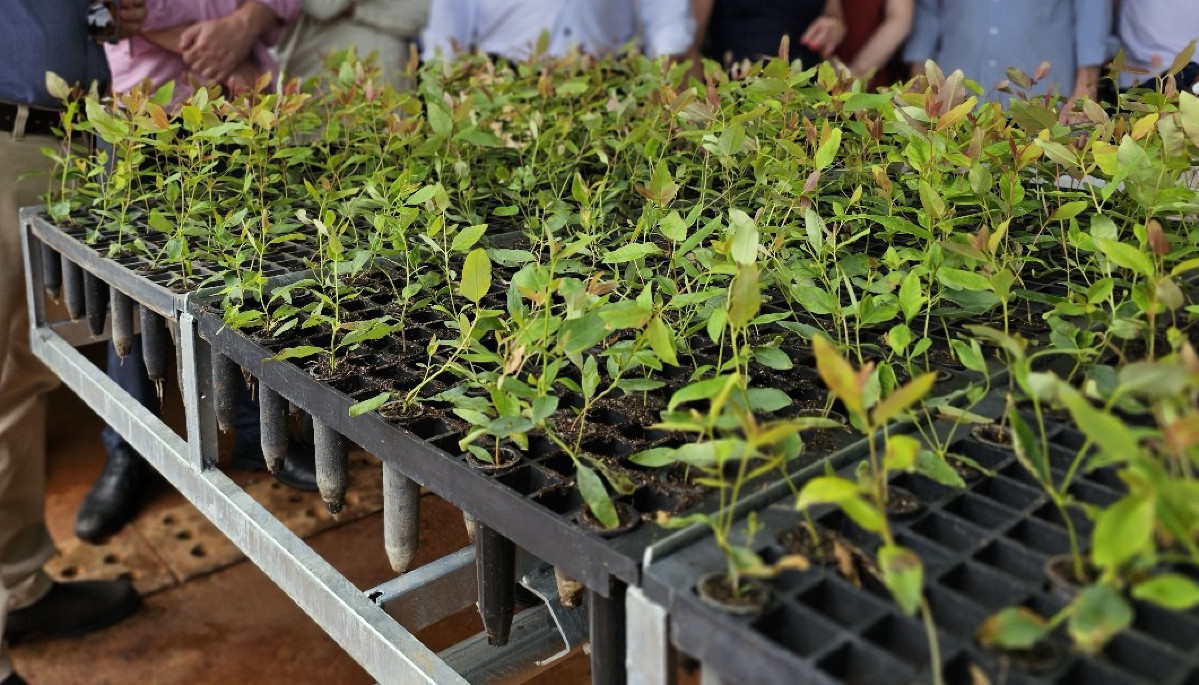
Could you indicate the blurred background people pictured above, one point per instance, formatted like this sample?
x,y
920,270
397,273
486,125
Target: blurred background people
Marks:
x,y
38,36
983,38
223,42
385,28
733,30
874,31
511,28
1152,33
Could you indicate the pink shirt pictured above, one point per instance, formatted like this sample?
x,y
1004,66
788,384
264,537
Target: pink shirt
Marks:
x,y
134,59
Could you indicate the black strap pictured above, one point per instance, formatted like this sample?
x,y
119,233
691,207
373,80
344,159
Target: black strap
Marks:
x,y
41,122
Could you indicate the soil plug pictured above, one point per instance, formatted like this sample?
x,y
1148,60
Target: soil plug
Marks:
x,y
225,377
495,562
401,518
607,628
122,322
51,271
272,417
95,301
72,286
156,346
570,591
471,526
332,466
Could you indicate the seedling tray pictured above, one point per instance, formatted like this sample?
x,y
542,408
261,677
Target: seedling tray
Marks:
x,y
984,548
533,503
136,275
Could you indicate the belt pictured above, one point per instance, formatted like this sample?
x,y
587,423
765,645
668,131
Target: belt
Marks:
x,y
39,122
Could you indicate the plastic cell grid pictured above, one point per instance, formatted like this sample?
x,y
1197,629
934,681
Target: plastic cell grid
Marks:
x,y
984,547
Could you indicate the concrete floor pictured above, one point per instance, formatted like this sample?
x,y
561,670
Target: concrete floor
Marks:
x,y
209,616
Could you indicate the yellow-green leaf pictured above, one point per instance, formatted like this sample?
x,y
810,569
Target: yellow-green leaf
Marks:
x,y
476,275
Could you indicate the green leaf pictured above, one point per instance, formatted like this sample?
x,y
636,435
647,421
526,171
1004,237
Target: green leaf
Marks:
x,y
1068,210
1028,448
1122,530
624,314
773,358
970,355
510,425
901,453
467,237
827,152
768,400
903,574
476,275
1012,628
743,247
370,405
631,252
298,352
591,487
1169,590
673,227
838,375
911,296
745,296
1103,429
865,514
1188,109
699,390
903,398
655,457
959,279
661,341
826,490
1127,256
814,227
932,465
1099,613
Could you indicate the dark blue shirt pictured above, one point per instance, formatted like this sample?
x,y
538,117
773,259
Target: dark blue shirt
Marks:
x,y
37,36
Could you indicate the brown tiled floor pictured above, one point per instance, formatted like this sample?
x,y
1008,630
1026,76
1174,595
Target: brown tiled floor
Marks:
x,y
228,625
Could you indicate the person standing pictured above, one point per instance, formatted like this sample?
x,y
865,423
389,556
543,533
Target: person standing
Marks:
x,y
38,36
512,28
875,29
983,38
1152,33
731,31
384,28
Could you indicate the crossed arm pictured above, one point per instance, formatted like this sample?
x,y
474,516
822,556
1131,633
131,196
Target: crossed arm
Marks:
x,y
219,49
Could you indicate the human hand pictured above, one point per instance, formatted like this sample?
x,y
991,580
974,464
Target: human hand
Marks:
x,y
824,35
215,48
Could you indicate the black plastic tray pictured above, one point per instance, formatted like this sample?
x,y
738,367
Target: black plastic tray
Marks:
x,y
984,548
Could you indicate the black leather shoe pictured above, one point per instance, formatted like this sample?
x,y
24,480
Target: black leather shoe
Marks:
x,y
299,468
115,497
13,679
73,609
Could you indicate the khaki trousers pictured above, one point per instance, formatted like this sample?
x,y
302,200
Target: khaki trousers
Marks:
x,y
24,542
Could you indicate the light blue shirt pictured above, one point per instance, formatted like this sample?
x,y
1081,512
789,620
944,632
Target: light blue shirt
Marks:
x,y
985,37
511,28
1153,32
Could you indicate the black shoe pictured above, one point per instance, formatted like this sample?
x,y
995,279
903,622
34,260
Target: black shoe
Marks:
x,y
298,471
13,679
73,609
115,497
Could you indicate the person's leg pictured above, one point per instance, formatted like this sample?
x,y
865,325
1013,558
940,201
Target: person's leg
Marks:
x,y
24,542
117,494
299,468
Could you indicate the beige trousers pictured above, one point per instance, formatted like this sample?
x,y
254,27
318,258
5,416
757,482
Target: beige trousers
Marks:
x,y
24,381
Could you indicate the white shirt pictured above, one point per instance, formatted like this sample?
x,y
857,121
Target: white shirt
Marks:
x,y
1155,29
511,28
